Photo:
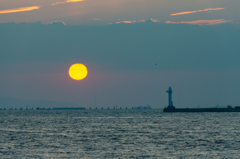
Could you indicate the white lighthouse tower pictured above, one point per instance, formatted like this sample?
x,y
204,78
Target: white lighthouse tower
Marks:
x,y
170,102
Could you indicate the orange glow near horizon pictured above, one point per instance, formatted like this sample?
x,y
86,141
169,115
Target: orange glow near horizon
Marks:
x,y
15,10
78,71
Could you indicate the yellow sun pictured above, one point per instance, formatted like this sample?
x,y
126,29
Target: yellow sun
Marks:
x,y
78,71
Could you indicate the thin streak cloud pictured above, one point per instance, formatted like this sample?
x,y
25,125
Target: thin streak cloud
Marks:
x,y
67,1
195,11
129,21
126,21
15,10
201,22
56,22
138,21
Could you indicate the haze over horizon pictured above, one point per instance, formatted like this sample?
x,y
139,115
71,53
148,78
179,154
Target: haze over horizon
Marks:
x,y
93,12
134,50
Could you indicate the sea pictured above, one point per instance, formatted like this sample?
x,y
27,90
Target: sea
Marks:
x,y
118,134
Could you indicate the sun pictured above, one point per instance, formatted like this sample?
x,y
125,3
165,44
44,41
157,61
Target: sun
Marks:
x,y
78,71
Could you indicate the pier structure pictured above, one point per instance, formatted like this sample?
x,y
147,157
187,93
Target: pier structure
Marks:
x,y
171,108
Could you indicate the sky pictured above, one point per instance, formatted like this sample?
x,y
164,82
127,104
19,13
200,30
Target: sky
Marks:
x,y
95,12
134,50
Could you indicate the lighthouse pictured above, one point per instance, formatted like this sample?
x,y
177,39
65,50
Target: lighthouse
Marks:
x,y
170,102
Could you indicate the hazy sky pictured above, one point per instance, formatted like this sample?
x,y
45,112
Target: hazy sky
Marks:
x,y
110,11
192,46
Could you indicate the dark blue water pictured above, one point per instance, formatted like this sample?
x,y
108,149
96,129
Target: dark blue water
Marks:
x,y
118,134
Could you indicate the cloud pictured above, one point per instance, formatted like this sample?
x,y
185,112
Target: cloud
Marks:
x,y
201,22
138,21
133,21
141,21
182,13
126,21
56,22
15,10
155,20
195,11
58,3
67,1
